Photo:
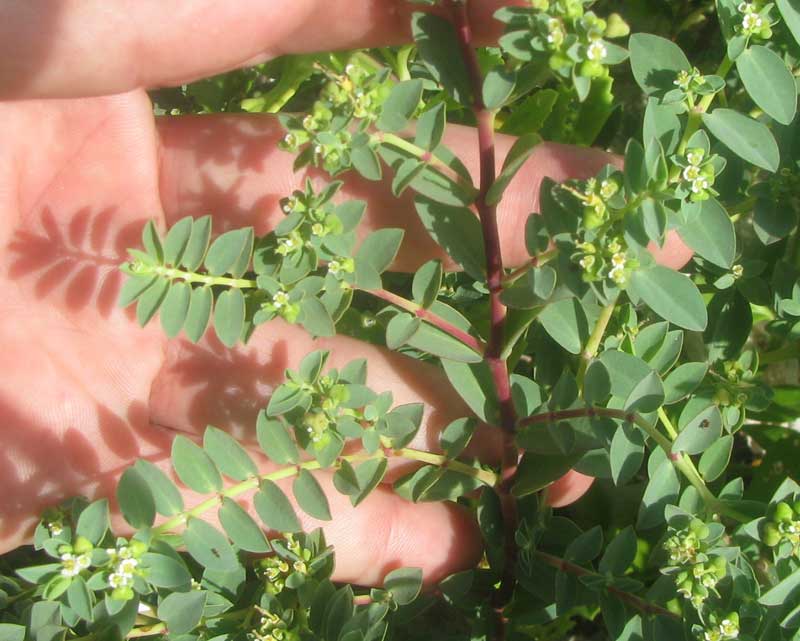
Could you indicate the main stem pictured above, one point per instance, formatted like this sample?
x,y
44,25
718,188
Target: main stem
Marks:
x,y
497,310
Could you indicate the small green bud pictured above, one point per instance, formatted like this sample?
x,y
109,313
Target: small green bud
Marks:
x,y
771,535
783,513
558,61
122,594
137,548
719,566
82,545
616,27
591,69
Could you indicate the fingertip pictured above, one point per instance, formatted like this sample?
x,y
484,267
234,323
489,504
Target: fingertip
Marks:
x,y
674,254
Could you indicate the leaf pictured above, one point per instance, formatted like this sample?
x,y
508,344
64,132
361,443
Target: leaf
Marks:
x,y
404,584
715,459
426,283
498,84
310,497
436,42
175,308
135,499
520,151
656,62
315,318
790,11
339,610
230,458
199,313
167,498
709,232
400,329
182,611
769,82
368,474
177,240
745,137
274,508
241,528
135,285
230,253
151,242
586,547
93,521
683,380
473,382
405,173
229,316
197,245
400,105
783,592
12,632
565,321
380,248
194,467
458,231
625,371
430,127
456,436
165,571
209,547
536,472
366,162
619,554
275,440
671,295
627,453
440,343
80,599
662,489
150,300
699,427
596,383
647,396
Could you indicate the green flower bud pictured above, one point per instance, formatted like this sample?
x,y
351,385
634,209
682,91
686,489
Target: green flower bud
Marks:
x,y
616,27
558,61
122,594
592,69
783,512
82,545
771,535
719,566
137,548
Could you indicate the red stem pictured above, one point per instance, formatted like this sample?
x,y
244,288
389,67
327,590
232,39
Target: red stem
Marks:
x,y
553,417
429,317
497,310
629,598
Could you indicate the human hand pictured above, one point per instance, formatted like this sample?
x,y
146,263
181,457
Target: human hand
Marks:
x,y
88,391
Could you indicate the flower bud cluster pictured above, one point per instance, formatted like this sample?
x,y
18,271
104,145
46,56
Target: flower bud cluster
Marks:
x,y
323,136
269,626
722,629
784,527
755,20
696,573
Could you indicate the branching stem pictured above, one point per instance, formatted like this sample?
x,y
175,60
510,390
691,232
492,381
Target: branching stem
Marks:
x,y
593,344
485,476
428,316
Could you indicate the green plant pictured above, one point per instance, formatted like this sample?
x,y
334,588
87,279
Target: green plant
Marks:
x,y
590,355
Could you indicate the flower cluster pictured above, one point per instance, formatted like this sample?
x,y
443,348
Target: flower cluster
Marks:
x,y
697,175
322,137
722,629
123,565
696,571
784,528
609,260
755,20
562,33
269,626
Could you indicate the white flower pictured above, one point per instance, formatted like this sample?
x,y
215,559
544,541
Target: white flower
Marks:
x,y
737,271
752,22
117,580
596,51
72,565
617,274
280,299
746,7
608,188
729,628
695,157
700,184
587,262
127,566
55,529
334,267
618,259
555,34
691,173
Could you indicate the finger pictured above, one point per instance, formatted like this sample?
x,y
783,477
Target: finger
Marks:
x,y
87,48
208,384
231,166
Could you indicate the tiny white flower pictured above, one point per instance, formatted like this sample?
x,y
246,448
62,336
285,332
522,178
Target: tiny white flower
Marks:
x,y
695,157
290,140
334,267
752,21
608,188
691,173
729,629
618,259
596,51
127,566
587,262
746,7
700,184
280,299
737,271
55,529
117,580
